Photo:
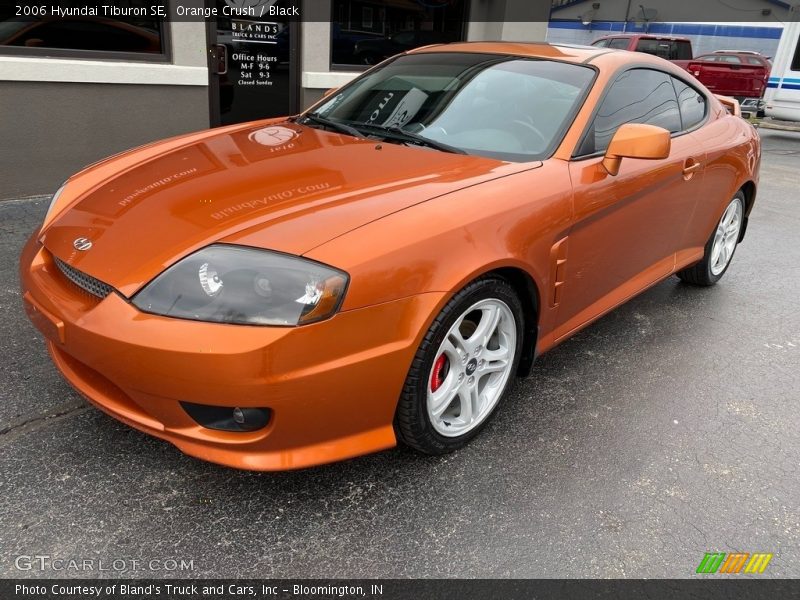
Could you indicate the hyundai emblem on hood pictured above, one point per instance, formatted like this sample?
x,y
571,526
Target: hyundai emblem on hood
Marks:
x,y
83,244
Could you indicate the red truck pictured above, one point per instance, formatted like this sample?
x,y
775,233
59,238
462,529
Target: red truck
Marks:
x,y
727,72
731,73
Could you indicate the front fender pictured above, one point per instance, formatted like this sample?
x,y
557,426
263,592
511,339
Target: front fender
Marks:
x,y
442,244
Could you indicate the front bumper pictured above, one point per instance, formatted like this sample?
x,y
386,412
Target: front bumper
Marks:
x,y
332,386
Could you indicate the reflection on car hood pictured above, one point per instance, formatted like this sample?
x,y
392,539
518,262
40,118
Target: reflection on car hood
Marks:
x,y
280,186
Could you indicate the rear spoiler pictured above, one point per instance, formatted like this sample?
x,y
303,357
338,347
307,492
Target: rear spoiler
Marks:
x,y
732,104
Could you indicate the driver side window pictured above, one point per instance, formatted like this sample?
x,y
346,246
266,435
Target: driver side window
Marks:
x,y
637,96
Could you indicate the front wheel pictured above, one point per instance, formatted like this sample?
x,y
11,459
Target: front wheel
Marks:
x,y
719,248
463,368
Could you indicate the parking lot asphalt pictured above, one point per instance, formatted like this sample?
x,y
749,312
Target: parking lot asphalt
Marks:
x,y
668,429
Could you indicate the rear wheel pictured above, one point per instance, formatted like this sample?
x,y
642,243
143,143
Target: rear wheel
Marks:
x,y
463,368
720,247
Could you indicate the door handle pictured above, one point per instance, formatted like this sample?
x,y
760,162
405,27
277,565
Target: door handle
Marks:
x,y
219,57
691,167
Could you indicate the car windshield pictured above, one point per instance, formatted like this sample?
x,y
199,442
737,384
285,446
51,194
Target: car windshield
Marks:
x,y
507,108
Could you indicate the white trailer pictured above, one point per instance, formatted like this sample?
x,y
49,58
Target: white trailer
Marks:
x,y
783,90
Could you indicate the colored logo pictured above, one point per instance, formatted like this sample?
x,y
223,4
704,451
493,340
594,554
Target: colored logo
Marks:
x,y
735,562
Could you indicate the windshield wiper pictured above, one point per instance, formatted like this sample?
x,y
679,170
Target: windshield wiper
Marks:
x,y
340,127
397,133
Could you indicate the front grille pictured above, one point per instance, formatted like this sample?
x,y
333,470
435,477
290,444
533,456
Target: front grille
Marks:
x,y
86,282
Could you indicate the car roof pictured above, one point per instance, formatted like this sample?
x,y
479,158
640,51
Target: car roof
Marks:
x,y
564,52
748,52
605,58
646,36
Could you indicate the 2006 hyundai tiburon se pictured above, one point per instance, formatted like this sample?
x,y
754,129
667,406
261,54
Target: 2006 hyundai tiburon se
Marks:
x,y
290,292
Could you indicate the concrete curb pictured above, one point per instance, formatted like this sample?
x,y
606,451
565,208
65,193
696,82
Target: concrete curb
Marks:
x,y
778,126
31,198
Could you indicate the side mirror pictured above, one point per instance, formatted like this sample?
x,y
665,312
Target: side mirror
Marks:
x,y
636,140
327,93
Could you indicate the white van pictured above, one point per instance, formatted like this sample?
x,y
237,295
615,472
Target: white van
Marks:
x,y
783,91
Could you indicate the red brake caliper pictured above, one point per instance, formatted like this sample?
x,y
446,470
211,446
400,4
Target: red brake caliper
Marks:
x,y
439,372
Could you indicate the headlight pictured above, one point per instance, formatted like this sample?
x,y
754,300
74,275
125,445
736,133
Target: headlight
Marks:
x,y
247,286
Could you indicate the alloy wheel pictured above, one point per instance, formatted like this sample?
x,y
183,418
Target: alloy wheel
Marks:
x,y
472,365
726,237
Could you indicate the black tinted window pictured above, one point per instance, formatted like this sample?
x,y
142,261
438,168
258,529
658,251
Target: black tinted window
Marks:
x,y
683,51
365,32
637,96
796,59
619,44
139,33
668,49
692,104
77,34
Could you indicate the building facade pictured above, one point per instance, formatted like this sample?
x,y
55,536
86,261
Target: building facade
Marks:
x,y
76,87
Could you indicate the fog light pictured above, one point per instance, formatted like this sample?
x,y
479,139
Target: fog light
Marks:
x,y
225,418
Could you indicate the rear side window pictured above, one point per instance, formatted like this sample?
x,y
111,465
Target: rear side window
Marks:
x,y
683,50
619,44
637,96
692,104
669,49
600,44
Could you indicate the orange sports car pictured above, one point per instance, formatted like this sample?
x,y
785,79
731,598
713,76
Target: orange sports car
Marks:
x,y
378,269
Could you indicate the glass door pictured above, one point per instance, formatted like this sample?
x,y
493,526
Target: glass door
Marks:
x,y
253,61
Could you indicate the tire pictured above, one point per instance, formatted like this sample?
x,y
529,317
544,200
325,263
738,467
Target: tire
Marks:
x,y
710,270
465,327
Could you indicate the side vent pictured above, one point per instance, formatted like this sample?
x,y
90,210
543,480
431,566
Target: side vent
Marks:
x,y
558,271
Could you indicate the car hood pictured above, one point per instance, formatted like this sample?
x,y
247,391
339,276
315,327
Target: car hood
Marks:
x,y
280,186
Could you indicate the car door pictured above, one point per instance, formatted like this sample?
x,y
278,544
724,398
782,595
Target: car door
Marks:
x,y
627,228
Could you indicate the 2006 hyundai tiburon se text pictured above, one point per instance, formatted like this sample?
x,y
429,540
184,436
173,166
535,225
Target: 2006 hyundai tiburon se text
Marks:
x,y
290,292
